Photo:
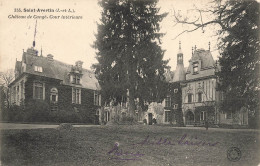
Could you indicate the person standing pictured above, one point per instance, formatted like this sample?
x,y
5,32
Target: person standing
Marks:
x,y
206,124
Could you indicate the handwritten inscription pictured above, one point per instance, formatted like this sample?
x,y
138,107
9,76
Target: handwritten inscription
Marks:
x,y
184,140
119,154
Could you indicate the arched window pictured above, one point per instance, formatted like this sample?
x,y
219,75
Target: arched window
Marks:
x,y
54,95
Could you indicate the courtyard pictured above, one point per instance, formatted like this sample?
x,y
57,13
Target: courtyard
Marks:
x,y
127,145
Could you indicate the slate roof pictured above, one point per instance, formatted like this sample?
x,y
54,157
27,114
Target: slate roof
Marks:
x,y
58,70
169,75
205,56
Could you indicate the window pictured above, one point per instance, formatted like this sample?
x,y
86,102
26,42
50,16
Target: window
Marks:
x,y
107,116
167,116
18,97
38,68
189,98
22,89
175,106
75,79
54,95
202,115
38,90
195,67
168,101
199,97
97,98
76,95
175,90
14,94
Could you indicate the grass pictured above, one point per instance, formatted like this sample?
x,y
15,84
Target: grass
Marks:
x,y
90,146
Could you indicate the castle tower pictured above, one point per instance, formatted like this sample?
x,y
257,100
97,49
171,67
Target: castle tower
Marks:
x,y
179,74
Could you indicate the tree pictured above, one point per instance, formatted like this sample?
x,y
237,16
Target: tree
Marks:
x,y
6,78
240,56
239,50
130,59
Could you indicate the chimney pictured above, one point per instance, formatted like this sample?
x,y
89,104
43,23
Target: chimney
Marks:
x,y
50,57
79,65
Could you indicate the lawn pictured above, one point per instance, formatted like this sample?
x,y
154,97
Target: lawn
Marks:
x,y
127,145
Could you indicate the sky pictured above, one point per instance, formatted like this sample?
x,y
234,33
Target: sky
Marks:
x,y
70,40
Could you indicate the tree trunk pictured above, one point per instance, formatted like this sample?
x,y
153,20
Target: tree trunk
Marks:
x,y
131,103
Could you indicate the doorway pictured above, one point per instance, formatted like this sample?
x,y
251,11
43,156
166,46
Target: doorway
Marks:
x,y
189,118
150,118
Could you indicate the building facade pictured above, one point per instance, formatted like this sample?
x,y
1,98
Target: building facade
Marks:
x,y
193,97
61,86
200,98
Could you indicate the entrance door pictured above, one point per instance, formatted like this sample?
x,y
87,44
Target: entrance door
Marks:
x,y
189,118
150,118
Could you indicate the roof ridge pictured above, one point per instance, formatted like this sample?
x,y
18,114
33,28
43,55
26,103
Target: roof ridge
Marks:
x,y
60,62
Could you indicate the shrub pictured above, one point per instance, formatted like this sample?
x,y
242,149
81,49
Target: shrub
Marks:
x,y
65,116
11,114
65,126
39,111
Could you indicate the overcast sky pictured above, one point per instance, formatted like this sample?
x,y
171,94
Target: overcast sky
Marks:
x,y
70,40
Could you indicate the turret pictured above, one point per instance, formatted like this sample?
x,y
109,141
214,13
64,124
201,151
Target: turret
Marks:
x,y
180,55
179,72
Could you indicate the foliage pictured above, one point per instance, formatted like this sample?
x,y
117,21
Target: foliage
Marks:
x,y
39,111
239,61
130,60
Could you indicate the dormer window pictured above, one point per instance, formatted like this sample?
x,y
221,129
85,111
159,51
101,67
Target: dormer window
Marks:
x,y
75,79
195,67
38,68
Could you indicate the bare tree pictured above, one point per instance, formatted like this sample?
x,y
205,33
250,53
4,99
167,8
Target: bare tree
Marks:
x,y
217,11
5,79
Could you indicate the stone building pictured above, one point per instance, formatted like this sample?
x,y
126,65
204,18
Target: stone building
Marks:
x,y
200,98
61,86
